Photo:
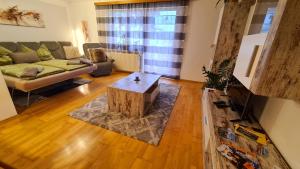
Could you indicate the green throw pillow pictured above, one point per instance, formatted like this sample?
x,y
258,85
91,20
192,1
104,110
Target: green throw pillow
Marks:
x,y
26,49
4,51
5,60
43,53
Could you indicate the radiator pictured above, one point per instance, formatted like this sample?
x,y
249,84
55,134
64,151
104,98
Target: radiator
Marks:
x,y
129,62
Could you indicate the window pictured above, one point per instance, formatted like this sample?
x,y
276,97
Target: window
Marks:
x,y
155,30
268,20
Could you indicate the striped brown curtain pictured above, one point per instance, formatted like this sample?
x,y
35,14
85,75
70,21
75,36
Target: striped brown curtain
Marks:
x,y
155,30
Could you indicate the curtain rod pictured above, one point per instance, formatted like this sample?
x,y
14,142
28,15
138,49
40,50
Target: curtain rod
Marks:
x,y
115,2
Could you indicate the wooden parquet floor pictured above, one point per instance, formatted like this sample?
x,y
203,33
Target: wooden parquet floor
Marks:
x,y
43,136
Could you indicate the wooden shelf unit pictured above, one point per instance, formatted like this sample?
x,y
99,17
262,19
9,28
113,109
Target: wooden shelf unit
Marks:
x,y
268,62
214,118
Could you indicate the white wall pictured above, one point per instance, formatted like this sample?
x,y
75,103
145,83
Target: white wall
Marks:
x,y
83,11
201,28
55,18
202,25
280,118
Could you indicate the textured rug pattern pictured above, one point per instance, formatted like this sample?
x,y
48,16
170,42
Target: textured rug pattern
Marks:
x,y
149,128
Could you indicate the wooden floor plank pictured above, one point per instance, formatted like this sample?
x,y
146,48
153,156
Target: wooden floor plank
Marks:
x,y
43,136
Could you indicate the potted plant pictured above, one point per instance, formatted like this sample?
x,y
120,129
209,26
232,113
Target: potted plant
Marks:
x,y
222,78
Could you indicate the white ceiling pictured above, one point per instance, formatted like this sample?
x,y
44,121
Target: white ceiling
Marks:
x,y
65,2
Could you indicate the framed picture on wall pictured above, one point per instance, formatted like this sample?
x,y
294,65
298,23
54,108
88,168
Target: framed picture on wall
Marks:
x,y
15,16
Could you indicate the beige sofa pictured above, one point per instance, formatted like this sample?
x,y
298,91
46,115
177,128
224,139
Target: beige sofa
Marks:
x,y
29,85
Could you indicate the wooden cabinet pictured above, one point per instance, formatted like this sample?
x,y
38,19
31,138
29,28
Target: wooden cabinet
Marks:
x,y
268,62
133,98
215,118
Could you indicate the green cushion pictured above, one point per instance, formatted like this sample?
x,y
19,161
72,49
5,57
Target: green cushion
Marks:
x,y
5,60
17,70
26,49
63,64
43,53
4,51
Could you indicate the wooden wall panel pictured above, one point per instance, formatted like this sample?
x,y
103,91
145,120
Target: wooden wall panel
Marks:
x,y
278,72
231,30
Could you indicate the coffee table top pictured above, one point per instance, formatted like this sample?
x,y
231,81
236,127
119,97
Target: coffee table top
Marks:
x,y
128,83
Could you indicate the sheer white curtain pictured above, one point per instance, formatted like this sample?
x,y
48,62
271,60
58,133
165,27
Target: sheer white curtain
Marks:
x,y
155,30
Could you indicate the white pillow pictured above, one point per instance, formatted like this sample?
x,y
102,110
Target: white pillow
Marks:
x,y
71,52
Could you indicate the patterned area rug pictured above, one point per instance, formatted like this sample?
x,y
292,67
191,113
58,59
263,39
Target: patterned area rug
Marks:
x,y
149,128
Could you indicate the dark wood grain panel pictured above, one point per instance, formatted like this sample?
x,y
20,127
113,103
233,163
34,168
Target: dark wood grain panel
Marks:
x,y
278,71
232,30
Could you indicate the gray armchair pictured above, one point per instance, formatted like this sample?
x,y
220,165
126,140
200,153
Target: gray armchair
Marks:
x,y
103,68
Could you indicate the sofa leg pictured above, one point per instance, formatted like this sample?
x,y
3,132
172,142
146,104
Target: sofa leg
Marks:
x,y
28,98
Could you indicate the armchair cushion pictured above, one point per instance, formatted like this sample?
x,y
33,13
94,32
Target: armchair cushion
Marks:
x,y
97,55
103,68
87,46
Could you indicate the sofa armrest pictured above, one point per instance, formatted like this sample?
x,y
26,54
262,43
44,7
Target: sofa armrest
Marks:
x,y
103,68
101,64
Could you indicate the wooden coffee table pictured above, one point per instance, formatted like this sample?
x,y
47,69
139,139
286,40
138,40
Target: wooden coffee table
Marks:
x,y
133,98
